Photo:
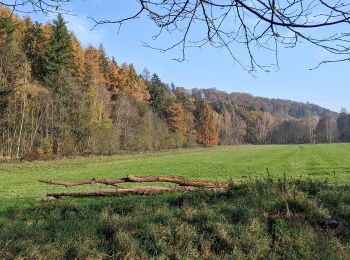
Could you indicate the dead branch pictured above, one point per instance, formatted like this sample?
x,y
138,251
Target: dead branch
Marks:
x,y
246,28
34,6
185,184
84,182
178,180
145,190
171,179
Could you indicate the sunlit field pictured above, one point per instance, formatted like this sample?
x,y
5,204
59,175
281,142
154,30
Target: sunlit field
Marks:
x,y
277,206
325,162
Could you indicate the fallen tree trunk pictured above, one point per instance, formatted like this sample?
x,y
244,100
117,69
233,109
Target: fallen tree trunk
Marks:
x,y
144,190
85,182
184,185
178,180
171,179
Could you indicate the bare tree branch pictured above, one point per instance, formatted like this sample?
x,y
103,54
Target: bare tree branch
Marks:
x,y
262,25
34,6
245,28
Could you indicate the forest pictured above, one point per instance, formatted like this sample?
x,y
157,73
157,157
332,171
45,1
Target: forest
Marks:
x,y
58,98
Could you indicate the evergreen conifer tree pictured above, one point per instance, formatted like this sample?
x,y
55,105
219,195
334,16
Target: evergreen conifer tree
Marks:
x,y
58,54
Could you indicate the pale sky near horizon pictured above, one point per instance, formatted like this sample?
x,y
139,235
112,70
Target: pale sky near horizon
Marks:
x,y
209,67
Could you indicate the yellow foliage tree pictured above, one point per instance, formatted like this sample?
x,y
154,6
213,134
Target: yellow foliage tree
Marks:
x,y
206,125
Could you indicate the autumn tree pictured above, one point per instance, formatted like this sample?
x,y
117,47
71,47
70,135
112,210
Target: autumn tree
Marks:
x,y
7,65
326,129
206,125
310,124
78,59
265,124
182,95
259,123
290,132
16,91
35,40
181,122
176,118
136,86
126,120
343,124
232,128
153,133
114,79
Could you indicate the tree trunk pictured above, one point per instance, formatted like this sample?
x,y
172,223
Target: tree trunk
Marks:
x,y
21,125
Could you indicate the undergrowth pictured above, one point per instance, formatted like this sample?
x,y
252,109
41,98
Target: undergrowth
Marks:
x,y
261,219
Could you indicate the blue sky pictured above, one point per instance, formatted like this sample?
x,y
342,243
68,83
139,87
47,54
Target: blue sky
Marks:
x,y
207,67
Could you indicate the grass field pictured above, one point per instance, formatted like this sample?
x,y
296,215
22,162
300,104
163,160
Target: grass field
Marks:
x,y
326,161
258,217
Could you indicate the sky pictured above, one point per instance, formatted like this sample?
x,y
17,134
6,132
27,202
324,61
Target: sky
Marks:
x,y
208,67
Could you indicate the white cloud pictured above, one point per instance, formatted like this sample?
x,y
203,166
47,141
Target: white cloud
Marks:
x,y
82,26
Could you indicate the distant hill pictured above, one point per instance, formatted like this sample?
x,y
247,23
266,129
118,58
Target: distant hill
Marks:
x,y
280,107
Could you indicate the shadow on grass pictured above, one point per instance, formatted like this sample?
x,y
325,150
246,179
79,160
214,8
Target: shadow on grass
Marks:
x,y
257,219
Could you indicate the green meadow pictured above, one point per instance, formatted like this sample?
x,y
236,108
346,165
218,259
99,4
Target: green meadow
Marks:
x,y
277,206
331,162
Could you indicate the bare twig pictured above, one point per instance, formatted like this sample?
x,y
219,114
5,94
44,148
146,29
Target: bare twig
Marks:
x,y
254,25
35,6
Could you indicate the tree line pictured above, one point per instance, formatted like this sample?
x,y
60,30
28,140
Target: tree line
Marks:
x,y
60,99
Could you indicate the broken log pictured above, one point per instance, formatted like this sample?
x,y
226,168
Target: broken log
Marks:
x,y
145,190
111,182
177,180
171,179
184,184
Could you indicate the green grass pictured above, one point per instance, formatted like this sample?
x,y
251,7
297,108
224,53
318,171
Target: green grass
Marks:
x,y
257,220
19,181
273,216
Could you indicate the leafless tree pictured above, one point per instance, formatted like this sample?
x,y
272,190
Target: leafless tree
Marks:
x,y
34,6
260,25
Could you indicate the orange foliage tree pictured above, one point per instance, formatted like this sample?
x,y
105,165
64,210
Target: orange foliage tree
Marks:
x,y
206,124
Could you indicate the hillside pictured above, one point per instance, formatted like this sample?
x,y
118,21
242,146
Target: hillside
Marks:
x,y
58,98
282,107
